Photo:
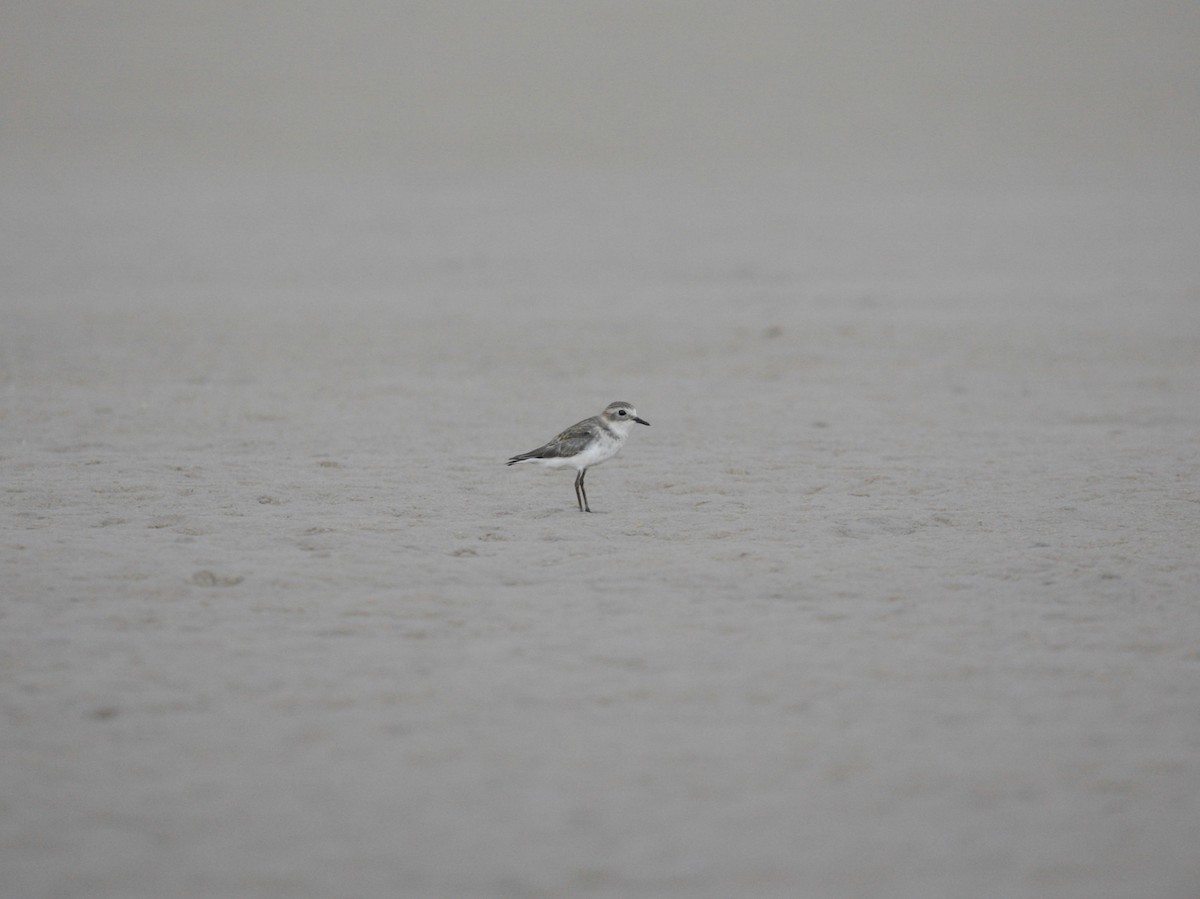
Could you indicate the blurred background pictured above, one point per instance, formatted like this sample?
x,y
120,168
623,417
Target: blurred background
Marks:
x,y
923,91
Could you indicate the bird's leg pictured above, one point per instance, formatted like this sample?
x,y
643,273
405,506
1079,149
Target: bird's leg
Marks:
x,y
578,486
583,490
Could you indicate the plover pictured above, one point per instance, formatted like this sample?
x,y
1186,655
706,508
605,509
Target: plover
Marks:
x,y
587,443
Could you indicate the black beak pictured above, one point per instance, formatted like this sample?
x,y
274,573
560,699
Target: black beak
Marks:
x,y
641,421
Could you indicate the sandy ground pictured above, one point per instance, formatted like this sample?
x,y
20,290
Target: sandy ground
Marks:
x,y
899,596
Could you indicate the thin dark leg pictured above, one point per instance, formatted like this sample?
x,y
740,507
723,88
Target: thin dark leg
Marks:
x,y
583,490
578,483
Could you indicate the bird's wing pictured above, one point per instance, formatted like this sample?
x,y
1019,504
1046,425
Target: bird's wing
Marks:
x,y
557,448
568,443
579,433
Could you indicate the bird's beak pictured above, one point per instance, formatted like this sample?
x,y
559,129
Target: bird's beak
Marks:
x,y
641,421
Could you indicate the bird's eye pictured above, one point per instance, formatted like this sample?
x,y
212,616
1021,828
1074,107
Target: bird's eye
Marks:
x,y
621,412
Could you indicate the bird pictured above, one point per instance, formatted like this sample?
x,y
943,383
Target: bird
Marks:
x,y
586,443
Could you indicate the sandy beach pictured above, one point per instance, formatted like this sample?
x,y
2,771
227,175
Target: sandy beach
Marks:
x,y
899,596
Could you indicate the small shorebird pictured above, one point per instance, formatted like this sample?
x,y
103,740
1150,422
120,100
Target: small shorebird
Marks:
x,y
587,443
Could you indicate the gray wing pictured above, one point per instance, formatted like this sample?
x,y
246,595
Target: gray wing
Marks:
x,y
568,443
